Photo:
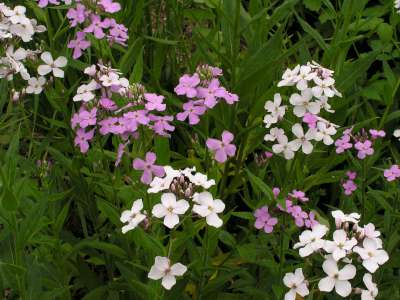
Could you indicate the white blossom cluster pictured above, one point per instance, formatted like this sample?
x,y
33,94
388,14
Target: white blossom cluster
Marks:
x,y
15,27
351,244
177,187
315,86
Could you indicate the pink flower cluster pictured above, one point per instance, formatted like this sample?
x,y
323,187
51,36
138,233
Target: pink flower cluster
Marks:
x,y
349,185
112,106
392,173
204,91
362,142
91,22
301,218
224,148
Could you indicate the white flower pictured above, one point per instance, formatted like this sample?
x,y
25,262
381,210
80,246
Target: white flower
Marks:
x,y
372,289
371,254
303,140
311,240
396,133
18,55
369,231
338,279
289,77
24,31
208,208
340,218
295,281
200,179
340,245
324,133
52,65
323,87
273,134
170,209
110,79
306,74
161,184
17,15
302,103
85,92
285,147
323,102
133,216
162,269
275,107
35,85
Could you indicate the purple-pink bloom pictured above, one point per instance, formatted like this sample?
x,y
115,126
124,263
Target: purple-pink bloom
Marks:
x,y
392,173
108,104
79,44
311,222
211,93
187,85
82,138
192,111
118,33
310,120
223,149
120,152
364,149
276,191
343,144
299,215
288,204
44,3
132,120
264,220
351,174
77,15
148,167
349,187
161,124
230,98
110,6
377,133
154,102
97,25
299,195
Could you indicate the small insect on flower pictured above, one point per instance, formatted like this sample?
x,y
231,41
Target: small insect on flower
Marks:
x,y
162,269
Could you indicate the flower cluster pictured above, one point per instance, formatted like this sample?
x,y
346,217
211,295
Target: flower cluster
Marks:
x,y
113,106
15,27
178,187
315,86
351,243
392,173
204,91
362,141
90,21
349,185
264,219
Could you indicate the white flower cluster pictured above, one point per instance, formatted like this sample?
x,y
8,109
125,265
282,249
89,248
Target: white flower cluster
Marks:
x,y
315,85
397,5
350,243
14,27
178,186
396,133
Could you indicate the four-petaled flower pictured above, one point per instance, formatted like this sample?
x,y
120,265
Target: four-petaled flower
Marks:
x,y
371,254
162,269
52,65
340,245
311,240
297,284
148,167
223,149
133,216
170,209
208,208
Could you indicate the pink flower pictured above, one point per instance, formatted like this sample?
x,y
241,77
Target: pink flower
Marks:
x,y
352,175
79,44
299,215
349,187
223,149
311,222
77,15
97,25
377,133
211,93
187,85
192,111
148,167
161,124
133,119
299,195
82,139
120,152
108,104
44,3
230,98
118,33
268,154
110,6
276,191
154,102
343,144
264,220
289,206
310,120
392,173
364,149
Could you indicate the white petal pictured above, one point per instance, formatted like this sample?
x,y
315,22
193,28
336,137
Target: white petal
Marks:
x,y
330,267
302,290
178,269
306,250
155,273
159,211
343,288
168,200
58,73
326,284
339,236
214,220
370,265
170,220
44,69
201,210
137,206
307,147
47,58
297,130
61,62
219,206
125,216
291,295
168,281
348,272
181,207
